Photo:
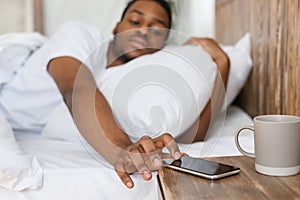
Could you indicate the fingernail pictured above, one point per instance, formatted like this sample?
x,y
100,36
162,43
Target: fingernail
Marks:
x,y
146,174
156,162
129,184
177,155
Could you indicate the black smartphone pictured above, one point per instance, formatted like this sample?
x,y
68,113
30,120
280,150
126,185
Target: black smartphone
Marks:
x,y
203,168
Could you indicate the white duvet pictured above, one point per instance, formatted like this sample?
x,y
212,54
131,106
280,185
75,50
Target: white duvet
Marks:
x,y
15,48
18,170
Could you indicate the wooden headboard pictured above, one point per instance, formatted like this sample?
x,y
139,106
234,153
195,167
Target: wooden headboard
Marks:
x,y
274,84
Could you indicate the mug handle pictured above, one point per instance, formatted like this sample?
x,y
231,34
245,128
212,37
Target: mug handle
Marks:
x,y
251,128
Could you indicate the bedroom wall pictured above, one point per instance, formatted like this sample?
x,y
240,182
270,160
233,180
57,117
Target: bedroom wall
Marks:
x,y
197,18
274,85
16,15
98,12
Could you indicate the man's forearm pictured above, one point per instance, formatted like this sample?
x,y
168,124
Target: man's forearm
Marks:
x,y
93,117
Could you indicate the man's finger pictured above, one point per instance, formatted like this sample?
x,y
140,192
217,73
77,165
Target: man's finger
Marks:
x,y
166,140
152,157
138,161
124,176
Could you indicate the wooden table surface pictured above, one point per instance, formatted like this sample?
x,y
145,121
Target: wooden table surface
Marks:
x,y
248,184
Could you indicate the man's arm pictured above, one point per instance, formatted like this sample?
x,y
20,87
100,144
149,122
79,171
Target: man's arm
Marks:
x,y
94,119
215,103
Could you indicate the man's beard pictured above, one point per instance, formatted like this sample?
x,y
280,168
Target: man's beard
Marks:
x,y
124,56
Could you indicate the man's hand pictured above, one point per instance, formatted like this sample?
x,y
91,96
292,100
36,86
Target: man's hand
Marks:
x,y
144,157
214,50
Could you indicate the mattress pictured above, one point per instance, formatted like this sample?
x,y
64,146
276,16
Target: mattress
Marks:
x,y
71,172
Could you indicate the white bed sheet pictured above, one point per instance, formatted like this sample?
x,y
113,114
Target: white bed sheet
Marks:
x,y
72,173
221,136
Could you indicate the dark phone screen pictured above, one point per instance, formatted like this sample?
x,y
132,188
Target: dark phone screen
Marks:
x,y
203,166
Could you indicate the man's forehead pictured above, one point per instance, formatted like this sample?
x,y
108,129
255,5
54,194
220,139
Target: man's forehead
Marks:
x,y
149,7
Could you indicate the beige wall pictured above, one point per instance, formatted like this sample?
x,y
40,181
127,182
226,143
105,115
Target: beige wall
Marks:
x,y
16,15
197,16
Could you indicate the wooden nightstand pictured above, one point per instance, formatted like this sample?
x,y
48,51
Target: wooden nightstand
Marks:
x,y
248,184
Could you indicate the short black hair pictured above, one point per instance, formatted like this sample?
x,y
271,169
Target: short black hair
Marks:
x,y
163,4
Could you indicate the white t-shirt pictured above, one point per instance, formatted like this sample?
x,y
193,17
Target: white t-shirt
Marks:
x,y
30,97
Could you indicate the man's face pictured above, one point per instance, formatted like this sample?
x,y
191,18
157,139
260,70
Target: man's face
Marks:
x,y
143,30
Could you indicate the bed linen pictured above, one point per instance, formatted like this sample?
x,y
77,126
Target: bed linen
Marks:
x,y
220,136
71,172
15,49
18,170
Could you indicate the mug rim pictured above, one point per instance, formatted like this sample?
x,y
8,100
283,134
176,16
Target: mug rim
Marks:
x,y
288,118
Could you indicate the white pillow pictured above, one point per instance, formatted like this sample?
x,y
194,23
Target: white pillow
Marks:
x,y
161,92
240,67
61,126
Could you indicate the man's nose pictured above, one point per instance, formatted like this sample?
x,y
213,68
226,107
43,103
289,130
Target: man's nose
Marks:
x,y
143,30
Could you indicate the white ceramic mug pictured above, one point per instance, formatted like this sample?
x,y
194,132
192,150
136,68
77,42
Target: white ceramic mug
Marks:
x,y
276,144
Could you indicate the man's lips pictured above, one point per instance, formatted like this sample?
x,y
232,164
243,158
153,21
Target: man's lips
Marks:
x,y
138,43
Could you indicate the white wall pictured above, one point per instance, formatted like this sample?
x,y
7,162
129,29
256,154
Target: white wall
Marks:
x,y
16,16
197,17
102,13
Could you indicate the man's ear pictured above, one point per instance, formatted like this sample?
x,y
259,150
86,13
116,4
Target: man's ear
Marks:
x,y
116,29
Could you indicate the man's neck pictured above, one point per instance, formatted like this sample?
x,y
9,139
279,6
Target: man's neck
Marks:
x,y
112,58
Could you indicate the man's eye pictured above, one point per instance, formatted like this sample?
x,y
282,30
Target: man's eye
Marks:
x,y
134,22
156,31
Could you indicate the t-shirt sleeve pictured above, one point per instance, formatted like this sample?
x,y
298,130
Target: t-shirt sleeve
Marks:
x,y
80,41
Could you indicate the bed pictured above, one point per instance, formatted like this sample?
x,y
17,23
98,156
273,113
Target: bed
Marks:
x,y
70,171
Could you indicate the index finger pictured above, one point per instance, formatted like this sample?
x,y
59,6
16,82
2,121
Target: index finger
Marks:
x,y
138,160
167,140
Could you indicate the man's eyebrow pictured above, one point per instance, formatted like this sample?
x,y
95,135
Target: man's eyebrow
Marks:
x,y
156,19
137,11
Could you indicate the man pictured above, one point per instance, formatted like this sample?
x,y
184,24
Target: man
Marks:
x,y
143,29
